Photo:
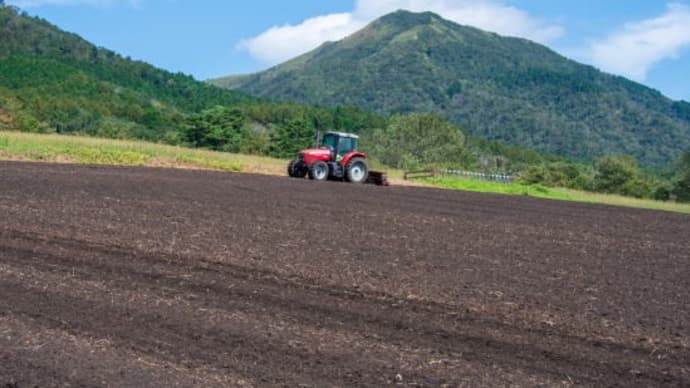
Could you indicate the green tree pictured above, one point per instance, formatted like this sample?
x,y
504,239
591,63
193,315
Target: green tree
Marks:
x,y
291,137
28,123
558,174
218,128
681,189
614,173
411,141
621,175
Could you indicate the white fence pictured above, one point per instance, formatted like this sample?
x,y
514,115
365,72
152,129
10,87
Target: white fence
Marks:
x,y
479,175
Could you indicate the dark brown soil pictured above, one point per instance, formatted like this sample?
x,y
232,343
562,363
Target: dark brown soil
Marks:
x,y
153,277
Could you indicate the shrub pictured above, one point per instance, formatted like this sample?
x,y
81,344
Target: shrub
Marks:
x,y
682,189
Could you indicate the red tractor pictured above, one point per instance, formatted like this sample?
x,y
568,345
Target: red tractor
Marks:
x,y
336,158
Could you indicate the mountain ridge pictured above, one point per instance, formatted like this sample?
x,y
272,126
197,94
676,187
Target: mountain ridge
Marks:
x,y
502,88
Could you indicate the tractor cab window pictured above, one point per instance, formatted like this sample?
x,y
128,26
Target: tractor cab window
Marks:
x,y
330,141
347,144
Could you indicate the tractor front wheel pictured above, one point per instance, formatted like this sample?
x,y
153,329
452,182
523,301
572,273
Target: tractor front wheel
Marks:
x,y
318,171
295,169
357,171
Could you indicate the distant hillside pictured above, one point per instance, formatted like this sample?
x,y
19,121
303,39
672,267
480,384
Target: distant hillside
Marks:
x,y
55,80
502,88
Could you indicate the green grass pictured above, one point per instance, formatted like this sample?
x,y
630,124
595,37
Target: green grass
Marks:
x,y
554,193
619,200
90,150
500,188
86,150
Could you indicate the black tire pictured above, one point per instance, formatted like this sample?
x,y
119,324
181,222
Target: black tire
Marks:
x,y
356,170
291,169
318,171
295,169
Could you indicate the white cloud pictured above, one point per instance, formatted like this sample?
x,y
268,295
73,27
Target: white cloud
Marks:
x,y
280,43
97,3
637,47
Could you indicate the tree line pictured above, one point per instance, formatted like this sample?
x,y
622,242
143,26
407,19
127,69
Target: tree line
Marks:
x,y
414,141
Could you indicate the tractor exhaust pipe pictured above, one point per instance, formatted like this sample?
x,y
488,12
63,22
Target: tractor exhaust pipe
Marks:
x,y
317,143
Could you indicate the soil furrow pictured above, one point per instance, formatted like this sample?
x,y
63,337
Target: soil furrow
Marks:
x,y
476,341
265,281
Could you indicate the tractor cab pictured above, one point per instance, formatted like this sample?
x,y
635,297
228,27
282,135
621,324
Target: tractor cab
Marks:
x,y
335,157
339,144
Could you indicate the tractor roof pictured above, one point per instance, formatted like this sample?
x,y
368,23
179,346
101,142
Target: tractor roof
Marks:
x,y
343,134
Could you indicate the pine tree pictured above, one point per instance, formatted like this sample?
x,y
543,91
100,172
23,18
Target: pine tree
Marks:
x,y
291,137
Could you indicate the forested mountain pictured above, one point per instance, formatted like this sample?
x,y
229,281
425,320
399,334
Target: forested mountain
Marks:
x,y
501,88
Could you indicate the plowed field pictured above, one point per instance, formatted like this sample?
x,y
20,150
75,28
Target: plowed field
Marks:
x,y
153,277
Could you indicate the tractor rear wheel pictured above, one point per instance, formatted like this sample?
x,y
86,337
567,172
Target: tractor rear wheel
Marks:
x,y
295,169
356,170
318,171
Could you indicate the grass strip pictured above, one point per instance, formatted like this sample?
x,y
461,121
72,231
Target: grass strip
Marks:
x,y
561,194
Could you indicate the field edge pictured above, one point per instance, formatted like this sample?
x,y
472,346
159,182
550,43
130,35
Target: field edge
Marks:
x,y
53,148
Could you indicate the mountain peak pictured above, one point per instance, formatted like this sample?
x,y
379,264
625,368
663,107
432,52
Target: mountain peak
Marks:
x,y
402,16
401,21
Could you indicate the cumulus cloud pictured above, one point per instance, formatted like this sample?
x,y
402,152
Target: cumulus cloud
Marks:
x,y
280,43
634,49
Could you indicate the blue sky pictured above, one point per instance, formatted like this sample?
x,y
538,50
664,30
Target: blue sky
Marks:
x,y
645,40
